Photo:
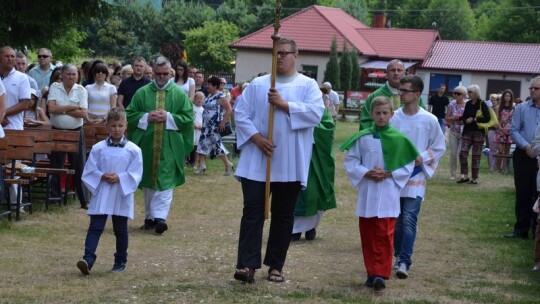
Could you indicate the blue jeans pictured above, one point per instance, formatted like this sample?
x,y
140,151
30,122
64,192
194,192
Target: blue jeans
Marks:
x,y
442,123
97,224
405,231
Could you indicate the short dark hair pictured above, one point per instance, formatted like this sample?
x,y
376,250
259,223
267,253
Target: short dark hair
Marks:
x,y
213,80
101,67
416,82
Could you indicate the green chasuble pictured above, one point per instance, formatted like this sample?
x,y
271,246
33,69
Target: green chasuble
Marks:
x,y
397,149
365,118
319,193
163,150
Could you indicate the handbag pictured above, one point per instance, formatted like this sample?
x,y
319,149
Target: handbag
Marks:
x,y
227,130
493,121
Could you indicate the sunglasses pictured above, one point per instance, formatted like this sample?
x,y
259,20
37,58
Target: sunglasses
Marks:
x,y
162,74
534,88
458,93
470,92
43,56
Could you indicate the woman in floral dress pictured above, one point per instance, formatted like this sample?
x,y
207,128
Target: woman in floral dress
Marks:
x,y
502,137
217,111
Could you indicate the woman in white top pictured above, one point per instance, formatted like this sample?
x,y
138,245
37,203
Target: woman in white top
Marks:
x,y
183,81
101,95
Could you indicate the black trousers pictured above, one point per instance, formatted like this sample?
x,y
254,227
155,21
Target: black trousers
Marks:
x,y
283,201
77,162
525,170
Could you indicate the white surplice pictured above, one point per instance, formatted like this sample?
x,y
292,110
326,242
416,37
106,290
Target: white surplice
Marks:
x,y
293,132
375,199
118,198
424,131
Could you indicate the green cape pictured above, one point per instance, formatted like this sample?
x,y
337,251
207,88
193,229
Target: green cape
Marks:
x,y
398,150
319,193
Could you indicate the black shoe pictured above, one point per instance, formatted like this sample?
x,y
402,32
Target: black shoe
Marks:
x,y
120,267
369,282
296,236
84,206
161,226
379,283
514,235
462,180
84,267
148,224
311,234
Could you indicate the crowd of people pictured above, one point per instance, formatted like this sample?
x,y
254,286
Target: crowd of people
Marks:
x,y
175,118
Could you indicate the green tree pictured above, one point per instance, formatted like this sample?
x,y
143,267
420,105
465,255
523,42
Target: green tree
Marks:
x,y
345,68
356,8
331,73
66,47
34,23
515,25
208,46
355,62
454,18
237,12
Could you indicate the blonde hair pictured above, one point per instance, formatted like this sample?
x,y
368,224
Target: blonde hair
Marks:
x,y
381,101
199,93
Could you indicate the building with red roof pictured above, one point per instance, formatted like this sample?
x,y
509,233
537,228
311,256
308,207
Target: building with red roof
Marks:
x,y
493,66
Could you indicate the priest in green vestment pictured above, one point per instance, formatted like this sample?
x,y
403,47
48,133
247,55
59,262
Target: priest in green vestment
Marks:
x,y
160,122
395,70
319,194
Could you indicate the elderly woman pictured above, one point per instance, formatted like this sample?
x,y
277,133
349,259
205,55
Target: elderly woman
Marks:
x,y
217,111
472,136
453,113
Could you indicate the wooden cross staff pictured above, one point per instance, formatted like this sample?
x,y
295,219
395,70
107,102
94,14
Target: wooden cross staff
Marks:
x,y
275,40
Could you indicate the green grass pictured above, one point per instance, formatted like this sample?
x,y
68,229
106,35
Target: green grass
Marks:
x,y
461,255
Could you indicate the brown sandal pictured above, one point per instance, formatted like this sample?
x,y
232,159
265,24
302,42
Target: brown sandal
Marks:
x,y
245,275
275,275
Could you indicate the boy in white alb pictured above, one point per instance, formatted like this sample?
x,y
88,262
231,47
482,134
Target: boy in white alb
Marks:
x,y
198,125
423,130
379,174
112,173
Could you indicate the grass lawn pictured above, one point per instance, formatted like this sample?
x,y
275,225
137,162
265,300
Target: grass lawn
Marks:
x,y
461,255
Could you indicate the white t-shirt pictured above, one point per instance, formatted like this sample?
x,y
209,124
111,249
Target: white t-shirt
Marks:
x,y
17,88
2,92
99,98
190,82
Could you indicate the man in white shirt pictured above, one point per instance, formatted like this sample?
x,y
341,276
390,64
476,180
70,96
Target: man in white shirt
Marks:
x,y
298,110
423,130
334,100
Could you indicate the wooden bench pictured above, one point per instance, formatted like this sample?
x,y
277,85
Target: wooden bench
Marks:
x,y
46,142
12,149
94,133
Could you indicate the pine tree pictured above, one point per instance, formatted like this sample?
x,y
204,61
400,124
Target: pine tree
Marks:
x,y
345,68
331,74
355,77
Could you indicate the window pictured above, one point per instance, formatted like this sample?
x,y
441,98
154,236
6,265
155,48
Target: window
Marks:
x,y
310,70
451,81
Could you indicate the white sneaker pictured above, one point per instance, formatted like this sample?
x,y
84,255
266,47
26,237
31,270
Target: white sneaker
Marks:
x,y
402,273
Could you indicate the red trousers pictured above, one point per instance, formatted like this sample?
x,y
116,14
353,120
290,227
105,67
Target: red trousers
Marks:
x,y
377,237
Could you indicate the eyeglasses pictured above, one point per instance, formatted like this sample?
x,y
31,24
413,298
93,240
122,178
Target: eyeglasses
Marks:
x,y
101,72
43,56
405,91
162,74
458,93
284,54
534,88
470,92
